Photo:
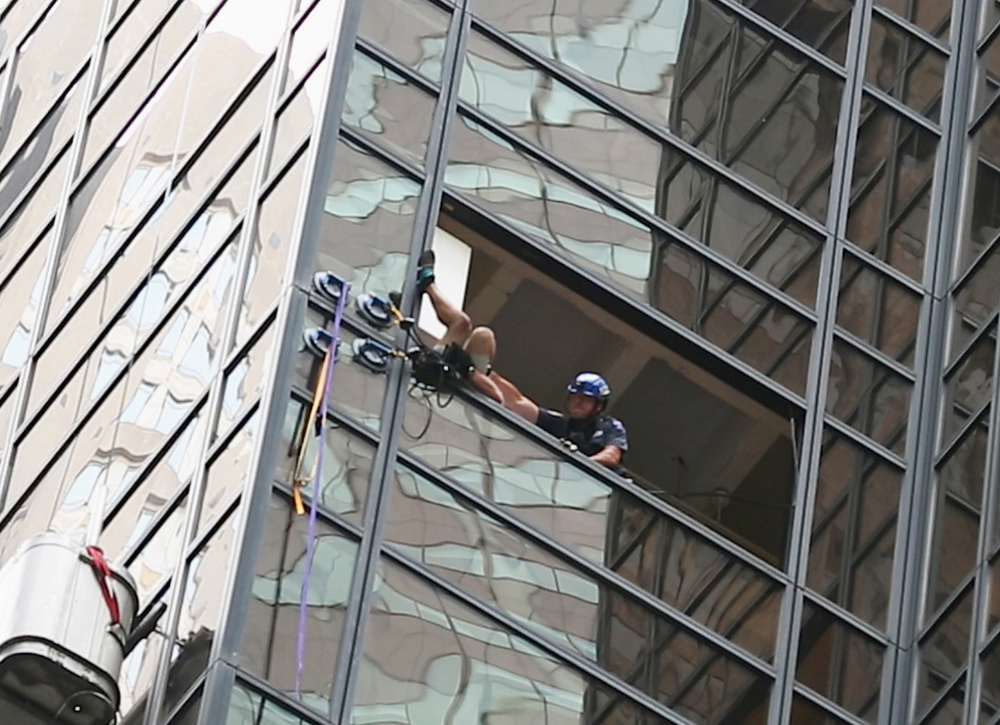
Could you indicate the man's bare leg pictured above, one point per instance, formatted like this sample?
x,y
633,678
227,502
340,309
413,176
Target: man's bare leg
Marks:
x,y
480,342
458,324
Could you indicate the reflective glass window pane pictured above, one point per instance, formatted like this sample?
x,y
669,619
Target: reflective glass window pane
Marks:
x,y
20,297
822,24
188,713
854,529
989,74
46,64
162,385
158,288
561,602
869,396
232,48
296,117
575,129
645,46
957,516
933,16
47,139
382,105
983,195
716,213
806,712
607,526
23,224
968,384
310,39
117,196
228,472
944,650
7,400
141,77
202,604
144,15
367,222
989,18
270,246
890,196
762,109
153,564
17,16
139,670
839,662
188,342
157,489
356,391
547,206
347,464
245,381
877,309
430,656
411,30
951,711
572,127
905,67
29,516
975,301
247,707
993,614
990,664
270,641
32,453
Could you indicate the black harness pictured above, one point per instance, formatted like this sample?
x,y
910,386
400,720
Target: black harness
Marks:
x,y
436,369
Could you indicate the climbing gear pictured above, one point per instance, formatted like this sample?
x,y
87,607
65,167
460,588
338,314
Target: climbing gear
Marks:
x,y
434,369
372,354
317,420
377,312
328,286
317,341
592,385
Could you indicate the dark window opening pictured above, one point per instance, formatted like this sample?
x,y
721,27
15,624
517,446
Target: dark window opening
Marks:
x,y
694,441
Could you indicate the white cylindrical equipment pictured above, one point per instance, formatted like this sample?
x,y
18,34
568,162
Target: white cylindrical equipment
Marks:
x,y
60,651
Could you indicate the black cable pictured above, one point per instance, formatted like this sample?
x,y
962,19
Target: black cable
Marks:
x,y
422,399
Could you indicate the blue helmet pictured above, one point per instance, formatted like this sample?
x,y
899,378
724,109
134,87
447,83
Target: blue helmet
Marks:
x,y
592,385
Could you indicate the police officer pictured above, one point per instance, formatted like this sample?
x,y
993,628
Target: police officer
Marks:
x,y
599,437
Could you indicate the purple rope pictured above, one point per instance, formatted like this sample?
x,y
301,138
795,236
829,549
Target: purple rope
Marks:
x,y
320,425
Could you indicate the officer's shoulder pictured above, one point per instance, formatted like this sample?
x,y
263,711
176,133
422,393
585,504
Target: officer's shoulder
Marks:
x,y
614,423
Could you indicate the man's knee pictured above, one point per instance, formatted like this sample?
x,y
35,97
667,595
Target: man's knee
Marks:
x,y
481,347
481,341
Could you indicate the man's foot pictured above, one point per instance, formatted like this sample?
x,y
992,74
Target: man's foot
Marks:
x,y
425,270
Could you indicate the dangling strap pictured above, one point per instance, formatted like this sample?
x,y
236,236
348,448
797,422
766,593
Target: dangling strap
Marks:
x,y
106,581
301,480
318,415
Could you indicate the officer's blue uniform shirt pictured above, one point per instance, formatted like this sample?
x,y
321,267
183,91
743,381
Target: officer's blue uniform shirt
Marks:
x,y
590,435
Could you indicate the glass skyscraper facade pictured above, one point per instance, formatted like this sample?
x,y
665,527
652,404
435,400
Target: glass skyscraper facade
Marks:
x,y
773,225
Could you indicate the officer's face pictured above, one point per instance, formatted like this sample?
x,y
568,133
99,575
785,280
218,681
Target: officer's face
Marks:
x,y
581,406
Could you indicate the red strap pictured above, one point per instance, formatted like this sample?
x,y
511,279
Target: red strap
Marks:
x,y
104,574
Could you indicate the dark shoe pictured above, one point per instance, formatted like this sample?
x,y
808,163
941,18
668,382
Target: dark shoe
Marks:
x,y
425,270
